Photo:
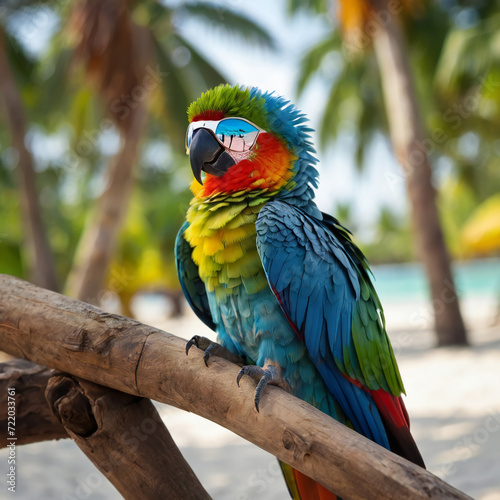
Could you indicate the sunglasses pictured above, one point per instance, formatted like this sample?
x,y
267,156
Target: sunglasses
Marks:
x,y
235,134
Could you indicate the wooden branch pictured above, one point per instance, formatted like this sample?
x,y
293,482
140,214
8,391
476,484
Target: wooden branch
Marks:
x,y
125,438
126,355
122,435
34,420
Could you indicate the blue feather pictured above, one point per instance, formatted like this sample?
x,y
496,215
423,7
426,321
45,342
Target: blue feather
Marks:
x,y
317,286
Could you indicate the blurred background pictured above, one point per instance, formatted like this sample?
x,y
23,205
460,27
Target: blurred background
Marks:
x,y
94,186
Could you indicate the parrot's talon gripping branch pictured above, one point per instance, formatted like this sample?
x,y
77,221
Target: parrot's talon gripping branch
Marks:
x,y
264,376
198,341
212,349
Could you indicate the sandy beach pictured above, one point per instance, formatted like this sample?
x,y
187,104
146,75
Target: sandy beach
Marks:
x,y
453,401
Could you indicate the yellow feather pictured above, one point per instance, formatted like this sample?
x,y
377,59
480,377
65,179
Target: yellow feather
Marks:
x,y
247,266
230,236
212,245
229,254
241,220
258,182
224,215
208,268
198,255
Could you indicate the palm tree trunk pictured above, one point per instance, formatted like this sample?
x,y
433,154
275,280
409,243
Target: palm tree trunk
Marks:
x,y
98,241
407,138
41,269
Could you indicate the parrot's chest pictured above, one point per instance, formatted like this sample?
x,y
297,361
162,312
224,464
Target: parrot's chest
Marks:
x,y
245,310
223,239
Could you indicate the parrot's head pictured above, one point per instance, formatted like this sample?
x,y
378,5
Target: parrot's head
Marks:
x,y
245,140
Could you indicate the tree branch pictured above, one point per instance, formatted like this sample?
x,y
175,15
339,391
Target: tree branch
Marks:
x,y
126,355
34,420
125,438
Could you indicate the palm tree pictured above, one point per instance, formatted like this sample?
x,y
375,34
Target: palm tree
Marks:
x,y
116,54
407,135
40,262
388,74
133,65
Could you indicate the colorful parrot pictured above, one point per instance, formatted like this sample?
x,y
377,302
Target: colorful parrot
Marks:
x,y
282,284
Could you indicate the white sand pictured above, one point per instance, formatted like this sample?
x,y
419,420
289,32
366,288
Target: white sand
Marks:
x,y
454,405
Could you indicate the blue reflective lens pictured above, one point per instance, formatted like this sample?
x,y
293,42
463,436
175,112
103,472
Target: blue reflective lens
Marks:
x,y
236,134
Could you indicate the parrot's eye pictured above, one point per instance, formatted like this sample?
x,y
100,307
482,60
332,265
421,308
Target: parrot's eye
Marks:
x,y
235,134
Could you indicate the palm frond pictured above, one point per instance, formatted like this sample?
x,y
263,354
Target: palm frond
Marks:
x,y
228,21
210,74
311,61
177,95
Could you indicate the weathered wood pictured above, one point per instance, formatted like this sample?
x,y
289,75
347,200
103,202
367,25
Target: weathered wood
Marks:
x,y
123,435
34,420
126,355
125,438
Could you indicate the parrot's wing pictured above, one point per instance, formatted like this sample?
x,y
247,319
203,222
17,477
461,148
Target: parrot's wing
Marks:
x,y
325,297
191,283
321,281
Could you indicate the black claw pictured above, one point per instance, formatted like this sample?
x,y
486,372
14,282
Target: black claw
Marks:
x,y
264,377
257,401
206,357
240,374
193,341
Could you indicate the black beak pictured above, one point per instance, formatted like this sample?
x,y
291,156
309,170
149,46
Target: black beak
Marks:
x,y
206,154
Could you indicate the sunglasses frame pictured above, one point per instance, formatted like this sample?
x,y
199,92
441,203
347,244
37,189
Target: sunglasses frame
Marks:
x,y
212,125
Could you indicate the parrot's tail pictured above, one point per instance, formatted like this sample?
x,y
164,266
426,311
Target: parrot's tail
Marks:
x,y
397,425
302,487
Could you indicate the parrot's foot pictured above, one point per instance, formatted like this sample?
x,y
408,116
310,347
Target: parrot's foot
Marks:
x,y
212,349
270,374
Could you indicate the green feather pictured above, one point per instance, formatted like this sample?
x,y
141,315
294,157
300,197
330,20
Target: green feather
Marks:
x,y
224,215
232,101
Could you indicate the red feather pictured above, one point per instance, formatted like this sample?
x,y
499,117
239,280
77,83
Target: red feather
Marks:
x,y
397,424
209,115
309,489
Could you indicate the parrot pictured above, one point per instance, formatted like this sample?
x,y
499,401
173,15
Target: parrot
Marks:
x,y
283,285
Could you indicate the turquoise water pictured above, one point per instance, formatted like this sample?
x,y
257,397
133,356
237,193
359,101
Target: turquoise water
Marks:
x,y
406,282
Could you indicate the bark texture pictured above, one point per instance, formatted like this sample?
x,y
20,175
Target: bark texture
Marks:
x,y
34,419
125,438
128,356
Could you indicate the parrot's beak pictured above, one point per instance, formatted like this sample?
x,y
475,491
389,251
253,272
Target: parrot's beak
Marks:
x,y
206,154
